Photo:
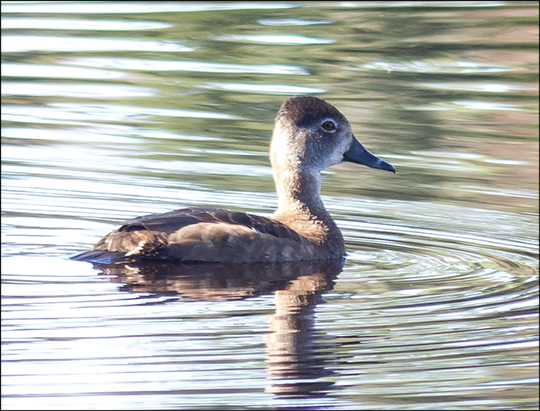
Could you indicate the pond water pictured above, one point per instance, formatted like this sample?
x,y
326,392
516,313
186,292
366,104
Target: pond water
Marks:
x,y
115,110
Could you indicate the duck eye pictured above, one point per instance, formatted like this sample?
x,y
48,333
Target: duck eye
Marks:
x,y
328,125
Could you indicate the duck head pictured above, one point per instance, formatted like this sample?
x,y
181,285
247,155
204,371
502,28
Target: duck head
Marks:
x,y
311,135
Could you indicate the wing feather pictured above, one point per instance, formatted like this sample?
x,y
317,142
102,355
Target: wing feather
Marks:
x,y
149,236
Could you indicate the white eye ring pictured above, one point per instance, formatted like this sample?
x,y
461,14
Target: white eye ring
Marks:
x,y
329,126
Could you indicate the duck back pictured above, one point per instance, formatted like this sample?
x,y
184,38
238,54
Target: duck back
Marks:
x,y
201,234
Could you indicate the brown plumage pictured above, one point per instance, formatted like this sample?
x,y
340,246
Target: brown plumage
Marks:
x,y
309,135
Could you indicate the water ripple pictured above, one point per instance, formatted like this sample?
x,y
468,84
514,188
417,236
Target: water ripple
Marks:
x,y
19,44
443,66
197,66
264,88
135,8
58,71
280,39
68,24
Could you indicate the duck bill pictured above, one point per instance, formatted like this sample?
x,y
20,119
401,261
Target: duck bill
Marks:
x,y
358,154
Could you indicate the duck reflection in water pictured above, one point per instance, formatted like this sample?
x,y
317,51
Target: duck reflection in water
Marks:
x,y
294,358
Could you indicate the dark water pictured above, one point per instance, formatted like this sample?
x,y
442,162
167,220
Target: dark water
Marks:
x,y
114,110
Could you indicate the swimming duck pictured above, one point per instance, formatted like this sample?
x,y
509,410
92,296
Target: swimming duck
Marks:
x,y
309,136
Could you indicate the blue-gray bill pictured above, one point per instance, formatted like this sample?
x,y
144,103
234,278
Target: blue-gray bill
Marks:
x,y
358,154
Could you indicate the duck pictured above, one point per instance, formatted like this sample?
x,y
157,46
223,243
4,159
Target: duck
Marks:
x,y
309,136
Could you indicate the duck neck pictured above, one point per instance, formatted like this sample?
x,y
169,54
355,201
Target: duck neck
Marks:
x,y
299,193
300,207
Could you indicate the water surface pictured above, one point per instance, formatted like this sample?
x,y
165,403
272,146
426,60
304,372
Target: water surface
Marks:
x,y
117,110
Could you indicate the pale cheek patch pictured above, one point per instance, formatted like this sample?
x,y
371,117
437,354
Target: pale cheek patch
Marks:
x,y
337,155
